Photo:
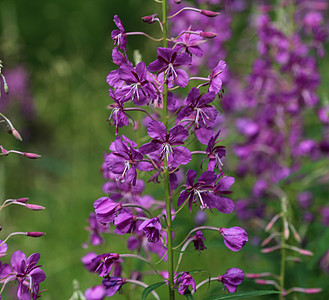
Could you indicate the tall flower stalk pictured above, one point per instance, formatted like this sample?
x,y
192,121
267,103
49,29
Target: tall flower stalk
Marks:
x,y
149,222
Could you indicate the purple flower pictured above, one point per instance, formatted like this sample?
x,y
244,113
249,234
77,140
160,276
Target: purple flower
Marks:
x,y
221,191
88,262
183,282
202,191
119,36
231,279
95,293
198,241
215,153
105,263
125,222
215,82
197,109
324,262
106,209
163,143
124,160
96,228
118,117
136,84
152,229
189,43
167,63
234,238
27,273
112,285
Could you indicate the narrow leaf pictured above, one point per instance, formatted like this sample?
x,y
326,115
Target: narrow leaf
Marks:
x,y
150,289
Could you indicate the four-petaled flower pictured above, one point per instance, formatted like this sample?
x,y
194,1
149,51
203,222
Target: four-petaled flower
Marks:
x,y
167,63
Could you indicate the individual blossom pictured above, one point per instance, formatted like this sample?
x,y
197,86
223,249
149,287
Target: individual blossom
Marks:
x,y
215,81
96,228
27,273
95,293
215,153
234,238
105,263
167,63
167,144
183,282
137,86
119,35
112,285
152,229
124,160
106,209
190,43
198,239
202,191
231,279
118,117
125,223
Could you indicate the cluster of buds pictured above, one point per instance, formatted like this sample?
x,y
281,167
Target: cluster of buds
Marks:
x,y
25,271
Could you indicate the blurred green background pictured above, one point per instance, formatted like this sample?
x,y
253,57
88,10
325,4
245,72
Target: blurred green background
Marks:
x,y
66,48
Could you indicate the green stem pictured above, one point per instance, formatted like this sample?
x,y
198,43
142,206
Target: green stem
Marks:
x,y
166,171
283,245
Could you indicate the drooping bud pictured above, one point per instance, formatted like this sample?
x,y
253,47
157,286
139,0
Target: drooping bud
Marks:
x,y
209,13
208,35
16,134
35,207
35,233
234,238
149,19
22,200
31,155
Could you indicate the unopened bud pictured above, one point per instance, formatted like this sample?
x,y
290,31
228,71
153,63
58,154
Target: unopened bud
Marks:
x,y
305,252
149,19
16,134
208,35
286,230
312,291
4,151
35,234
35,207
22,200
209,13
31,155
271,249
261,281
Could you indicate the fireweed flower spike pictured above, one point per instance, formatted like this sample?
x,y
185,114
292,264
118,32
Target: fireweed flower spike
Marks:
x,y
125,206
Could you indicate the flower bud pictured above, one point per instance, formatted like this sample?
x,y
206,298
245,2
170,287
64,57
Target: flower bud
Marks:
x,y
22,200
208,35
16,134
234,238
149,19
209,13
35,233
35,207
31,155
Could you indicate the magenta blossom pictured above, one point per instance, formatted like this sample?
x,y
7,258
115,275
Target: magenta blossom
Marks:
x,y
112,285
183,282
152,229
167,63
167,144
231,279
234,238
105,263
119,35
95,293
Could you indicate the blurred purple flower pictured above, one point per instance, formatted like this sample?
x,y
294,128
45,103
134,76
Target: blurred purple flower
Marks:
x,y
112,285
231,279
105,263
234,238
183,282
95,293
152,229
198,241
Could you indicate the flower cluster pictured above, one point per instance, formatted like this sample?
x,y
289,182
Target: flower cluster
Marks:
x,y
166,150
23,270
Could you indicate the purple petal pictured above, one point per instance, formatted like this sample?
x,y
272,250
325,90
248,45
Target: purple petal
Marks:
x,y
204,134
182,78
181,156
182,197
16,260
190,177
178,134
157,130
150,147
208,178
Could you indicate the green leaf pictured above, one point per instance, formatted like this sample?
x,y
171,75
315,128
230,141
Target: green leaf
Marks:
x,y
151,288
242,295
